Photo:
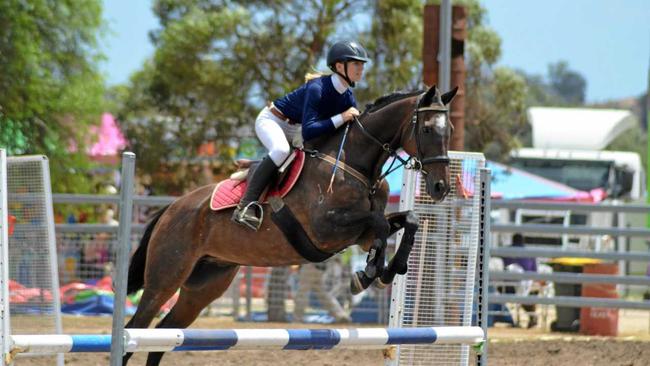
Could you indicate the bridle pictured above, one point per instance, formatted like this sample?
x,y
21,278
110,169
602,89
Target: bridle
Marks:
x,y
417,162
415,124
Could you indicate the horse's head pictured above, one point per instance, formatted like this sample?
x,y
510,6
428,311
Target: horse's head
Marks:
x,y
431,129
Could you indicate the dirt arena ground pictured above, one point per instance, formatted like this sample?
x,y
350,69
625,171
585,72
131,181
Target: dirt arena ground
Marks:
x,y
507,346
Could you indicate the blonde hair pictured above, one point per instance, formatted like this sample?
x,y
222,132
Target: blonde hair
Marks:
x,y
314,74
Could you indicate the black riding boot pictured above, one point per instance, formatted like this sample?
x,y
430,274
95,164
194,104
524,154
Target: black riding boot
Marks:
x,y
249,212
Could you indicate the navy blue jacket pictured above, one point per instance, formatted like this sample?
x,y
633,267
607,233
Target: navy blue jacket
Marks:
x,y
313,104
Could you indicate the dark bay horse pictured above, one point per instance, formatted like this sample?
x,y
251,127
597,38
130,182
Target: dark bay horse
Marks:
x,y
188,246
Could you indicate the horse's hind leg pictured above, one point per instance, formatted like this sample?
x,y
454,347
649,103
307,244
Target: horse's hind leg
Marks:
x,y
148,308
208,282
161,282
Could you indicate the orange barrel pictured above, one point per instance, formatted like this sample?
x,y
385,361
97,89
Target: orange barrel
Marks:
x,y
12,222
599,321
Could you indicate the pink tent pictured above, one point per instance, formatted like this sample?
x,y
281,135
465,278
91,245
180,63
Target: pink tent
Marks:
x,y
110,140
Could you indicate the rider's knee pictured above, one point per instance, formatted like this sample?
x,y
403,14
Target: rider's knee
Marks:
x,y
280,154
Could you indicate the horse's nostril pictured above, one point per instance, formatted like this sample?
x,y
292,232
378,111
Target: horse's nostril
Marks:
x,y
440,186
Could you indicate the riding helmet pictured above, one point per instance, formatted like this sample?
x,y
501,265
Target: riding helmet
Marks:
x,y
343,51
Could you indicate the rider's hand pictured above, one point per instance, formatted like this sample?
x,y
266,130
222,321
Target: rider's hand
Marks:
x,y
350,114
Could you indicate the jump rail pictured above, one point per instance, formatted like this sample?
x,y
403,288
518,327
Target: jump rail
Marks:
x,y
164,340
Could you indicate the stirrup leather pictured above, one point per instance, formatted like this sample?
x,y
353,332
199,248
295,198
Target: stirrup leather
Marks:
x,y
250,221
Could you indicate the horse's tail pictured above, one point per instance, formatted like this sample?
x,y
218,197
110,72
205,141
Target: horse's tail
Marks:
x,y
139,258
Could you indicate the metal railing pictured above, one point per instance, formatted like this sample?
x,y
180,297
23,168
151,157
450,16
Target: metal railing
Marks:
x,y
577,207
495,276
554,253
138,201
74,238
566,277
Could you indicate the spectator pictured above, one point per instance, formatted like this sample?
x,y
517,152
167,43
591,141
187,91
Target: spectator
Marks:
x,y
96,254
313,278
528,264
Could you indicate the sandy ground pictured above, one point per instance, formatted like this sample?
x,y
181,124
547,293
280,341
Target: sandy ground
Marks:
x,y
507,346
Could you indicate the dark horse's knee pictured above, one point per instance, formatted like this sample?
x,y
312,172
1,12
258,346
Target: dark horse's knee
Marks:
x,y
399,263
412,221
400,259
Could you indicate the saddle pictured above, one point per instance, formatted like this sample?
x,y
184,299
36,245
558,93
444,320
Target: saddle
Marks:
x,y
229,192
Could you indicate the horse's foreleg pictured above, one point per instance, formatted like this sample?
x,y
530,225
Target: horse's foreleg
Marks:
x,y
361,280
399,263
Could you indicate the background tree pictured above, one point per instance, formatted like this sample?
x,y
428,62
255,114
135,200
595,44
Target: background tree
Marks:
x,y
495,97
569,85
51,88
495,108
395,45
561,86
216,64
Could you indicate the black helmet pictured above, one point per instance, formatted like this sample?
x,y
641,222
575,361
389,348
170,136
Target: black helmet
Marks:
x,y
343,51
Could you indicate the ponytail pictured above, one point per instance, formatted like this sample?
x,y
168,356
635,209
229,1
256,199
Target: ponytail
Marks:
x,y
314,74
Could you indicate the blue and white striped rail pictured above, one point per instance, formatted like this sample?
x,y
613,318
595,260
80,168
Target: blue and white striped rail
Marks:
x,y
150,340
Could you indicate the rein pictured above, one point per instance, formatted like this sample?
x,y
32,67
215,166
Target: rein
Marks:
x,y
391,153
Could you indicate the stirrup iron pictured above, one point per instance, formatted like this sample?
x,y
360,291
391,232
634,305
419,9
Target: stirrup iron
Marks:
x,y
252,222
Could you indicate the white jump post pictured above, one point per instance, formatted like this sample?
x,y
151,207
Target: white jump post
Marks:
x,y
4,256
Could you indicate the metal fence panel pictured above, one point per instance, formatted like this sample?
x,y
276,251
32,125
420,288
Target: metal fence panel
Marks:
x,y
438,289
34,287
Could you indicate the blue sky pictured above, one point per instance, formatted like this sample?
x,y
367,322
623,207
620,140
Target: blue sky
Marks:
x,y
126,45
607,41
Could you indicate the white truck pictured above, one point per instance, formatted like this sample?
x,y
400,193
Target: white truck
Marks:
x,y
568,148
615,176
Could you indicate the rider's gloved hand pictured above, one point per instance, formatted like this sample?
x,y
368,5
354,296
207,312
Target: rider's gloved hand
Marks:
x,y
350,114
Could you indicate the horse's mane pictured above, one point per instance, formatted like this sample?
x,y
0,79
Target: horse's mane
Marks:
x,y
390,98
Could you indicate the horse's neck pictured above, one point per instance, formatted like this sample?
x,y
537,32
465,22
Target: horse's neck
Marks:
x,y
386,126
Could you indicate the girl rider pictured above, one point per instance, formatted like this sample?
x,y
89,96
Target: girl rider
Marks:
x,y
320,106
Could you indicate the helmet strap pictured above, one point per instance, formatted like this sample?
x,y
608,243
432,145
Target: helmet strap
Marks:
x,y
345,77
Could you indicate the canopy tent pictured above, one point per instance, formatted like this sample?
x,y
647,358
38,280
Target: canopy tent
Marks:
x,y
577,128
509,183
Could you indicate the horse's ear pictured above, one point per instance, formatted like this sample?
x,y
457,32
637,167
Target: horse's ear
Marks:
x,y
431,96
449,96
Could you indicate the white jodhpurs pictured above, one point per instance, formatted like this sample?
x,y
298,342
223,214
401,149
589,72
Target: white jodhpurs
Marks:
x,y
275,135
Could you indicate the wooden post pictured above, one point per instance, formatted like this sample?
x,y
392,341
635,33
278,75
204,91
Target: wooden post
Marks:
x,y
430,50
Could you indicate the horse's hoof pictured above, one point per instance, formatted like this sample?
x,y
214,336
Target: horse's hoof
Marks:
x,y
359,282
355,285
380,284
